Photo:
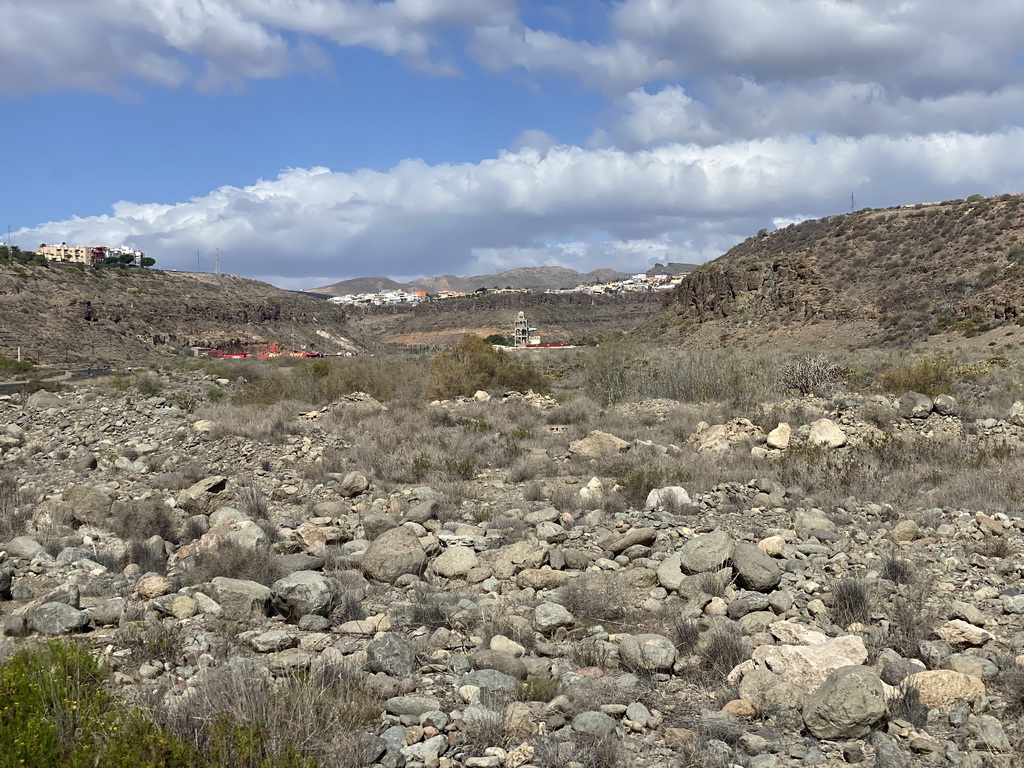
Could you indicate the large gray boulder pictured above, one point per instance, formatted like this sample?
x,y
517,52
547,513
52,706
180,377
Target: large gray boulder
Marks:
x,y
708,552
847,705
914,405
24,547
303,592
392,554
391,654
242,599
755,570
455,562
650,652
547,617
58,619
354,484
89,506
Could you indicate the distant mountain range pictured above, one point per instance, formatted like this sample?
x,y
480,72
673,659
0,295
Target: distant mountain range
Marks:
x,y
532,278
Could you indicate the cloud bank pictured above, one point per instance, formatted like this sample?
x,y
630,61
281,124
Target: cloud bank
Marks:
x,y
722,118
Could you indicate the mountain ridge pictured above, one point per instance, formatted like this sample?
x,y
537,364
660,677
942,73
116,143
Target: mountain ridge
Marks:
x,y
932,271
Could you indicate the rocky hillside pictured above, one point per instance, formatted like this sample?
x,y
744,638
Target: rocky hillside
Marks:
x,y
57,314
558,317
533,278
489,584
947,270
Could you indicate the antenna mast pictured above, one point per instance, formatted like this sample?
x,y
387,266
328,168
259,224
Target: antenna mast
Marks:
x,y
217,262
853,203
198,267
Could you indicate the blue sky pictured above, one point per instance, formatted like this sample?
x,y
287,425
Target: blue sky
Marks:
x,y
316,140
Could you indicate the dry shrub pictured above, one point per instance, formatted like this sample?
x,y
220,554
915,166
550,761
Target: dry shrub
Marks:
x,y
270,424
13,521
911,619
149,555
600,596
812,374
324,717
579,749
142,519
851,602
252,500
233,562
589,653
897,569
155,640
719,650
906,705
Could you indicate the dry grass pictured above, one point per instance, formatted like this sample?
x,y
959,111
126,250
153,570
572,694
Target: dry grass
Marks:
x,y
324,717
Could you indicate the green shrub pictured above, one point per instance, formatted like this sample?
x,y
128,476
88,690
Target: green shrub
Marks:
x,y
11,366
930,375
473,364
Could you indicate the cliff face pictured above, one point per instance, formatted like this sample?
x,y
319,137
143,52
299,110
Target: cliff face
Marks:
x,y
63,313
899,274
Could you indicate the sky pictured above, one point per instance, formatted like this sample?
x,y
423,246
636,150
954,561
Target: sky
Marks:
x,y
310,141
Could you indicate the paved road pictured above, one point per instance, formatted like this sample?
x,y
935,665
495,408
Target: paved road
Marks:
x,y
69,376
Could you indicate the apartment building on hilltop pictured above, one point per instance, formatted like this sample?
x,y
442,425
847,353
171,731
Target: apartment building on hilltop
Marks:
x,y
90,254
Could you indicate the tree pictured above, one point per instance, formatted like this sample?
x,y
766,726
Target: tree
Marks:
x,y
497,338
147,261
473,364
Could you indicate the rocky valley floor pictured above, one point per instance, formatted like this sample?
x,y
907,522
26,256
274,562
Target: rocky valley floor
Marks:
x,y
518,580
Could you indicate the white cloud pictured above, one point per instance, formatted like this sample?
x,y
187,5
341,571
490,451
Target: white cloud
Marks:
x,y
96,44
582,208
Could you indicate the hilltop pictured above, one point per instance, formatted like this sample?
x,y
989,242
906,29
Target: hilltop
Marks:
x,y
62,314
532,278
934,272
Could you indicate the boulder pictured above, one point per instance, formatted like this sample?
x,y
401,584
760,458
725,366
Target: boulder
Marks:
x,y
242,599
650,652
24,547
827,434
708,552
672,497
455,562
391,654
847,705
755,569
914,405
959,632
801,667
779,437
593,723
393,553
199,496
598,444
58,619
89,506
945,405
354,484
303,592
942,688
547,617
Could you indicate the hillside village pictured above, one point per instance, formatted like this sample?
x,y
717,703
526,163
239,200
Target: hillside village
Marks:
x,y
640,282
